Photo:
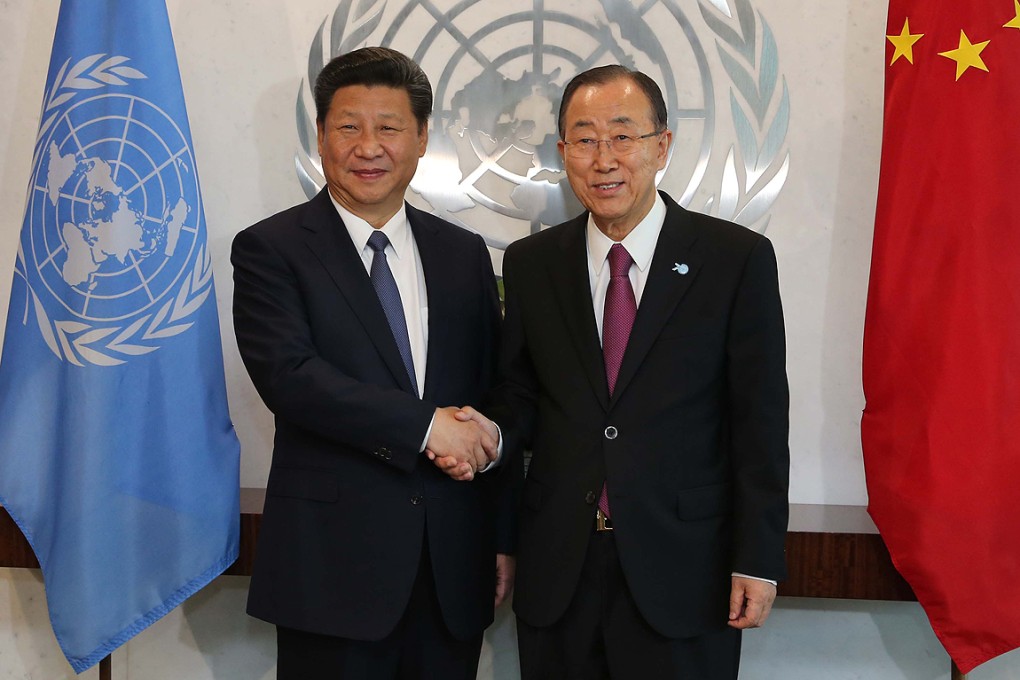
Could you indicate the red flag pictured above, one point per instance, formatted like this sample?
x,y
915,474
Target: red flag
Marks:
x,y
941,429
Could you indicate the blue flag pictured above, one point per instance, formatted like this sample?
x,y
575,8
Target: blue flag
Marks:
x,y
118,460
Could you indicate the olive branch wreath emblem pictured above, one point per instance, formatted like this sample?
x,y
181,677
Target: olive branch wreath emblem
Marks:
x,y
350,27
75,341
754,76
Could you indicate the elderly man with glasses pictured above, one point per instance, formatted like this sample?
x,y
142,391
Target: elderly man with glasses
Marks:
x,y
643,364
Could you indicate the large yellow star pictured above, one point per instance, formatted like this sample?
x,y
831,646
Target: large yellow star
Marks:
x,y
966,55
1015,21
904,42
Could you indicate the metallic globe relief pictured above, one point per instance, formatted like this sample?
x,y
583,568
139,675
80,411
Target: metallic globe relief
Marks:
x,y
492,164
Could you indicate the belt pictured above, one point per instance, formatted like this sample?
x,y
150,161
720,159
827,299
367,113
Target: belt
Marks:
x,y
602,523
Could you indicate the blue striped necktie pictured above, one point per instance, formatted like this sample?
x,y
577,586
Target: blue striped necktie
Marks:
x,y
386,288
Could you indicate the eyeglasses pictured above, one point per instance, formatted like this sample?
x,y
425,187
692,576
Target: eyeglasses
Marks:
x,y
622,145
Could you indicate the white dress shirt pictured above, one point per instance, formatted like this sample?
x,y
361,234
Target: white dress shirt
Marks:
x,y
405,262
640,244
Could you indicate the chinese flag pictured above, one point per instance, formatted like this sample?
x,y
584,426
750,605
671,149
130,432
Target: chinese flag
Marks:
x,y
941,428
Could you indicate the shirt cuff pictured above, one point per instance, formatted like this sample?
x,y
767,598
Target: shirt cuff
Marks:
x,y
425,442
499,451
756,578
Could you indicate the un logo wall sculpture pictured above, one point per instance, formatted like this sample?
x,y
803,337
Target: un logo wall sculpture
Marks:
x,y
492,164
111,266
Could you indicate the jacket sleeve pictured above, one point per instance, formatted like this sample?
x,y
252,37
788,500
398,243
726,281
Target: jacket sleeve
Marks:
x,y
759,404
512,402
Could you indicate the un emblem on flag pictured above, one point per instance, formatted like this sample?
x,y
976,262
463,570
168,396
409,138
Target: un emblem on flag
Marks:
x,y
112,249
492,163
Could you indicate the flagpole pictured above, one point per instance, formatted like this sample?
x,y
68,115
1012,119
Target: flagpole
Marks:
x,y
105,672
957,675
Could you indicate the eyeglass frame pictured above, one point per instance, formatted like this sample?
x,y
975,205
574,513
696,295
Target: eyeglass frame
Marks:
x,y
587,151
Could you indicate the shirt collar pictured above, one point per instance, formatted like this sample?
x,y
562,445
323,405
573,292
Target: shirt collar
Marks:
x,y
640,242
396,229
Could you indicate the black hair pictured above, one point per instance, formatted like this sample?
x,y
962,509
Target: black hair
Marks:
x,y
371,66
606,74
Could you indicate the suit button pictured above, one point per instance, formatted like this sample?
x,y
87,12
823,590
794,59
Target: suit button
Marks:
x,y
383,453
416,499
589,498
611,432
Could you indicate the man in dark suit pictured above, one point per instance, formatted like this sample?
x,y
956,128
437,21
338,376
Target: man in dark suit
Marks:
x,y
643,362
363,323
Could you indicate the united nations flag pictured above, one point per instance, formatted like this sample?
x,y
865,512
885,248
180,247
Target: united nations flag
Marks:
x,y
118,460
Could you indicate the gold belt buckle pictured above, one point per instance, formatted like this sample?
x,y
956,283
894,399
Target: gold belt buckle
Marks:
x,y
602,523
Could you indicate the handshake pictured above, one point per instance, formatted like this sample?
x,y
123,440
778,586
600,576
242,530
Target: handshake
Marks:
x,y
462,442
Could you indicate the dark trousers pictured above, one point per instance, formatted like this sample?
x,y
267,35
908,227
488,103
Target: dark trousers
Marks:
x,y
603,636
419,648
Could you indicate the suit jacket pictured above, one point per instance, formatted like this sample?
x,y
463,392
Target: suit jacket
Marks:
x,y
349,493
693,441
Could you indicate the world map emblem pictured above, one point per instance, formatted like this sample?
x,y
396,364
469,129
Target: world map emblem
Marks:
x,y
113,251
492,164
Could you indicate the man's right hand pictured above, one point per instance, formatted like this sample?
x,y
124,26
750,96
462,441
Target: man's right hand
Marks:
x,y
459,448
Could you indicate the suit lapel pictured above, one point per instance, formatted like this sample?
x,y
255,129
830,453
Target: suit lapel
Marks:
x,y
572,288
331,244
440,290
663,289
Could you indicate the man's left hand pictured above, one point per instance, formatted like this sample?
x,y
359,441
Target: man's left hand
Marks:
x,y
750,602
506,567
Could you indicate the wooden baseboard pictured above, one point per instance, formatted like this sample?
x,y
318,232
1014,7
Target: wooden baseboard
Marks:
x,y
831,551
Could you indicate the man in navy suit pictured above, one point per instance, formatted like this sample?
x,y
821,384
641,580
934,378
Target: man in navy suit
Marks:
x,y
643,362
364,323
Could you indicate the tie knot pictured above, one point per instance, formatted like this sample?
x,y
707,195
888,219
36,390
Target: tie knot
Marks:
x,y
378,241
619,261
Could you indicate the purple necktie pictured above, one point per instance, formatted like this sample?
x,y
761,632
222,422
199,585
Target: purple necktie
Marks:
x,y
617,320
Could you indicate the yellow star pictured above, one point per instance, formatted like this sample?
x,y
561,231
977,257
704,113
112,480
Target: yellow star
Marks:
x,y
966,55
904,42
1015,21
